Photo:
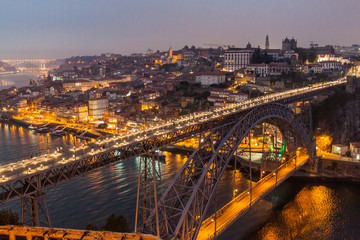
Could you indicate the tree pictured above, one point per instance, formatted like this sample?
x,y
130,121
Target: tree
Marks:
x,y
312,56
113,224
302,54
116,224
184,83
256,57
91,227
8,217
139,86
323,142
267,58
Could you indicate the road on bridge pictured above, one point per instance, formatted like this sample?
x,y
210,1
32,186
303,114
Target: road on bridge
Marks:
x,y
41,164
240,204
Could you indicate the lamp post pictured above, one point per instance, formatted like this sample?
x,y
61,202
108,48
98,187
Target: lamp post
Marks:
x,y
75,146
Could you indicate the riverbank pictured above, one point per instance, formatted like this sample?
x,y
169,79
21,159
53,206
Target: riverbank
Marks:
x,y
7,72
320,177
81,134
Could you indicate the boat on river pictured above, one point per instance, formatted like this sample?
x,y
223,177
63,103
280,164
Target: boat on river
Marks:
x,y
31,127
58,133
43,130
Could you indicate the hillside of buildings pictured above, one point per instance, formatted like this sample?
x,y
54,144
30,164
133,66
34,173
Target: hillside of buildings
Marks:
x,y
117,94
338,116
4,67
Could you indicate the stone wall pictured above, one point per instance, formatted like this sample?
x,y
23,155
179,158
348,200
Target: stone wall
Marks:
x,y
337,168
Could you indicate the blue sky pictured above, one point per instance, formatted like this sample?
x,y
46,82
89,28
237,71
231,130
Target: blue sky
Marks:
x,y
56,29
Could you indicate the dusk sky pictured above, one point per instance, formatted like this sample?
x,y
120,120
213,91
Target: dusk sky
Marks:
x,y
58,29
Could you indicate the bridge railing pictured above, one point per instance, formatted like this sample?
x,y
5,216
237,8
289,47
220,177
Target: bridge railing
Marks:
x,y
246,194
227,110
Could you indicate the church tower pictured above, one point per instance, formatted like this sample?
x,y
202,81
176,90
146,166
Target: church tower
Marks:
x,y
170,53
267,44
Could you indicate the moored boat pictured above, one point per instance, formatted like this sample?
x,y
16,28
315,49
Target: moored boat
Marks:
x,y
31,127
58,133
43,130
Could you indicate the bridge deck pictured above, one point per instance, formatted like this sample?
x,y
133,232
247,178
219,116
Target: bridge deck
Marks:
x,y
20,178
240,204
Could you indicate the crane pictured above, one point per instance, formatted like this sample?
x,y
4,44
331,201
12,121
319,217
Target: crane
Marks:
x,y
314,44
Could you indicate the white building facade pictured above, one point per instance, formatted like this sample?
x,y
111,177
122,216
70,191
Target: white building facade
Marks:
x,y
261,70
331,65
207,79
237,58
98,107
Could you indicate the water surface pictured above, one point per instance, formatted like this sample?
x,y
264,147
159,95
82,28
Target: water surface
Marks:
x,y
297,209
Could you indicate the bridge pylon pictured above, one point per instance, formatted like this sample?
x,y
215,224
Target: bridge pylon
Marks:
x,y
34,210
305,112
149,186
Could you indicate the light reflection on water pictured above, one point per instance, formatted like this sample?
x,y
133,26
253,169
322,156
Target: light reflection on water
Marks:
x,y
301,209
296,210
20,143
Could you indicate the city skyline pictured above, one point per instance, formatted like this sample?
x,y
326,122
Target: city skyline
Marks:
x,y
57,30
134,119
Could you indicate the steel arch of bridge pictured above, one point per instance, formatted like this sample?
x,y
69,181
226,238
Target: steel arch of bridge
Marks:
x,y
183,206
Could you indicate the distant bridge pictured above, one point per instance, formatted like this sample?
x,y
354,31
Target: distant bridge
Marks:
x,y
29,63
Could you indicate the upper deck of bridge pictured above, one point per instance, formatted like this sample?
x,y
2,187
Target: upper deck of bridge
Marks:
x,y
135,140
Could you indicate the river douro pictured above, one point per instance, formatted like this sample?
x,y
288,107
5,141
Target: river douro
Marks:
x,y
297,209
20,79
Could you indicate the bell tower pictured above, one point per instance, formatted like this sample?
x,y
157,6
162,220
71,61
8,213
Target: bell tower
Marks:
x,y
170,53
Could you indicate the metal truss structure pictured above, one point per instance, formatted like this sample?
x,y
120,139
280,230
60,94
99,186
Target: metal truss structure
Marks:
x,y
184,204
37,182
149,182
34,184
34,210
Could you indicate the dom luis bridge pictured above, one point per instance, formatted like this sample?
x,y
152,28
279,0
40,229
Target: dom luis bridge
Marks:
x,y
180,211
